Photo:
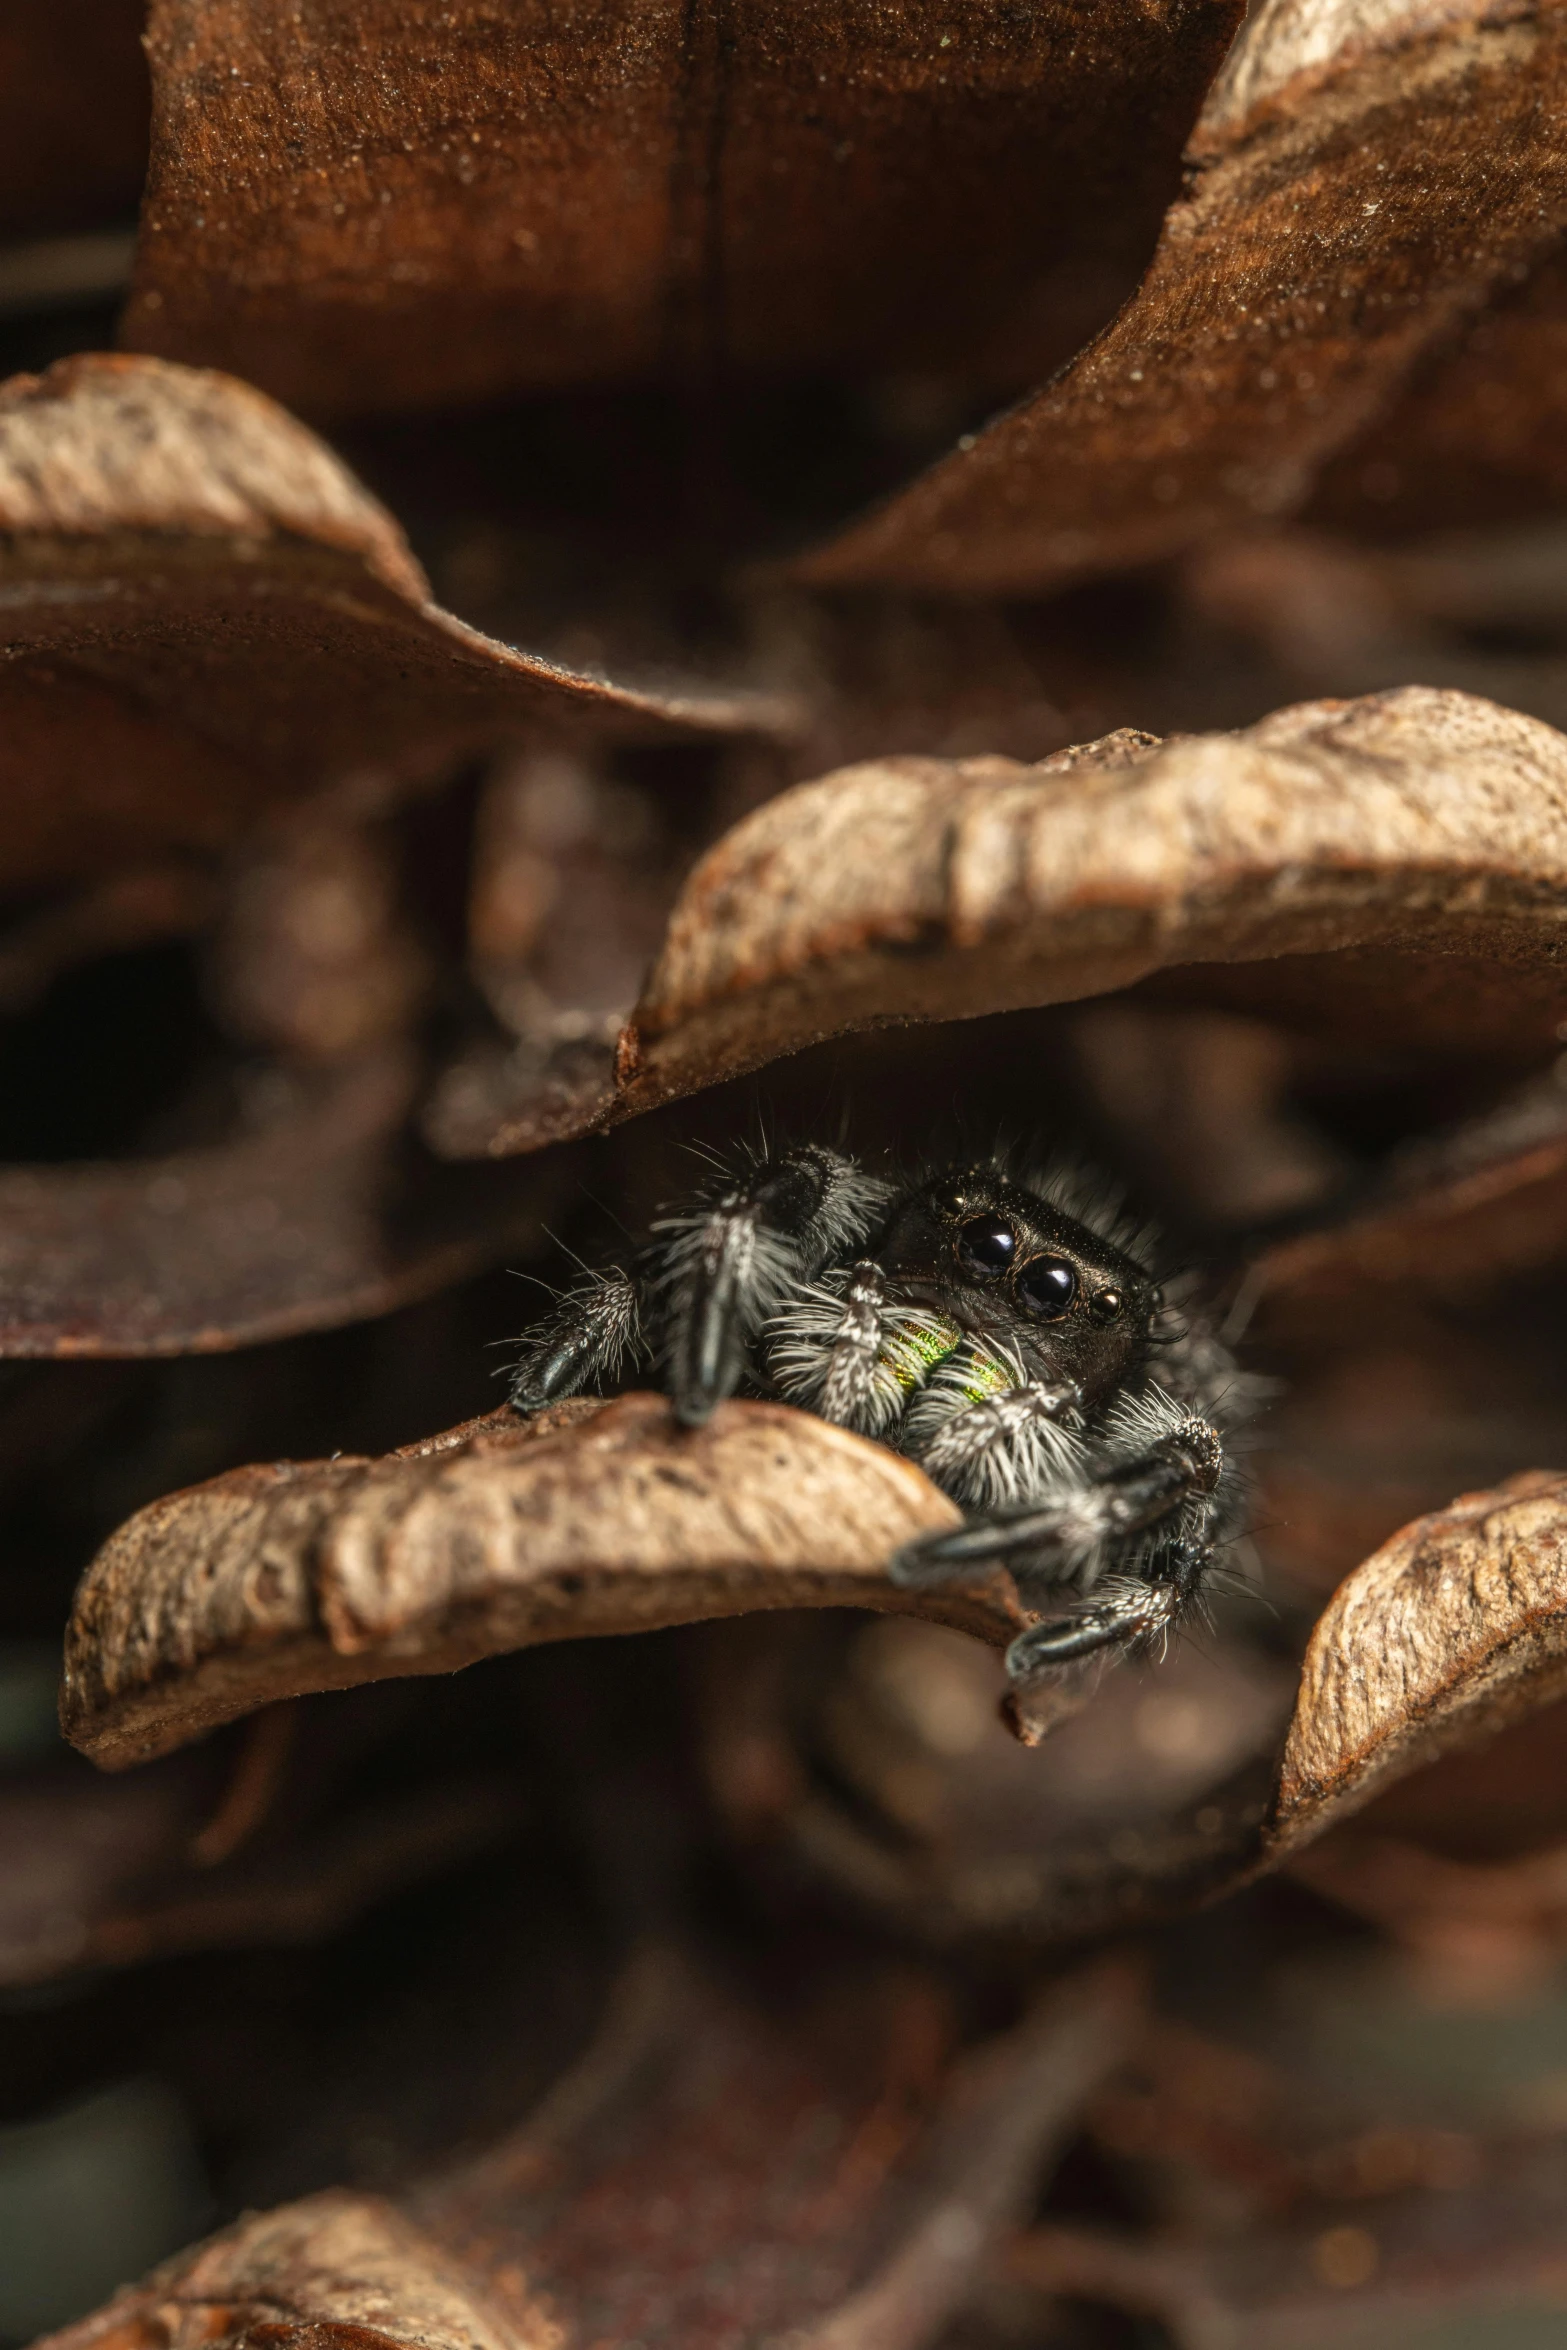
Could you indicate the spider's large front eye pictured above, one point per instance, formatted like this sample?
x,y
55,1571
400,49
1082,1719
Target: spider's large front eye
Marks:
x,y
1047,1287
985,1247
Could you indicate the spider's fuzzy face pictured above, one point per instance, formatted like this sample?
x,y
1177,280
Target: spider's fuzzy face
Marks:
x,y
1006,1265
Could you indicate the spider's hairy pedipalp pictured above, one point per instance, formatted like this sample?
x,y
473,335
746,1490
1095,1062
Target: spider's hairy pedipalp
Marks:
x,y
988,1434
848,1351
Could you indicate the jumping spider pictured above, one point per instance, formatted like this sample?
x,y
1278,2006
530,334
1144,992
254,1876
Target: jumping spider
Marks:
x,y
1007,1335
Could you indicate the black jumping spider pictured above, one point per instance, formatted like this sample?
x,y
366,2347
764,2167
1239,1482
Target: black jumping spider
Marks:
x,y
1007,1335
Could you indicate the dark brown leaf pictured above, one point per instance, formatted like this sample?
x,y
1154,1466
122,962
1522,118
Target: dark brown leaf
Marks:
x,y
1367,182
205,612
1449,1237
574,873
278,1579
481,200
317,1216
73,114
704,2174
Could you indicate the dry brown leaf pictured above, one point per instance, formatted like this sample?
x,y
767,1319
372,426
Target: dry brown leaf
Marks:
x,y
321,1215
1449,1240
1455,1628
703,2173
574,873
601,1519
590,1519
205,612
1369,178
477,200
1392,867
349,2263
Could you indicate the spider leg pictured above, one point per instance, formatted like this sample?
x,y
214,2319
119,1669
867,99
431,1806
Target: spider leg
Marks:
x,y
732,1259
1131,1613
1070,1527
582,1344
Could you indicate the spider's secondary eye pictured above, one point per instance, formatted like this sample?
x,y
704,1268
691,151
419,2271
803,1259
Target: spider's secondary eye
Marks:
x,y
1105,1305
1047,1287
985,1247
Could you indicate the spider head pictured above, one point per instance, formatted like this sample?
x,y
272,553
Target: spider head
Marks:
x,y
1005,1264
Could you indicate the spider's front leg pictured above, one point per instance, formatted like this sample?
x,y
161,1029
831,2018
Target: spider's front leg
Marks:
x,y
1151,1504
729,1262
1131,1612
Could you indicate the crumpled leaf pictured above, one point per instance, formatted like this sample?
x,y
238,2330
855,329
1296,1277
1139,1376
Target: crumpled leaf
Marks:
x,y
1453,1629
476,201
702,2173
1371,185
590,1518
318,1216
604,1518
574,873
1392,866
205,612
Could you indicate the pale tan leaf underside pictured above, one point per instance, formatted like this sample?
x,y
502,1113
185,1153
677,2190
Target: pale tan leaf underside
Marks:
x,y
1399,863
607,1518
594,1518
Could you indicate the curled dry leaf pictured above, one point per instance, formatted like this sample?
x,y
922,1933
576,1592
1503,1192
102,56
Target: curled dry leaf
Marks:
x,y
1392,866
206,612
605,1518
318,1216
493,199
574,873
1452,1223
1456,1627
1370,181
278,1579
704,2173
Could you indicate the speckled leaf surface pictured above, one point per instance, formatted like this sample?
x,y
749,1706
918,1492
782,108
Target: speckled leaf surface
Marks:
x,y
606,1518
1455,1627
471,198
1377,199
